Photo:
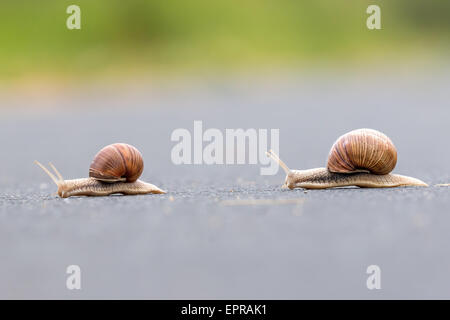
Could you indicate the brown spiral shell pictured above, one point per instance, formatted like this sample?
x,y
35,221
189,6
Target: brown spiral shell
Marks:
x,y
362,149
117,162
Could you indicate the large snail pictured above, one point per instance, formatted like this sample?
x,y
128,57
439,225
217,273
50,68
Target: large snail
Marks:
x,y
115,169
362,158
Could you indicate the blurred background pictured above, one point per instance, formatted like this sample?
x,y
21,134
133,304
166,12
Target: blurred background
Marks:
x,y
137,70
139,38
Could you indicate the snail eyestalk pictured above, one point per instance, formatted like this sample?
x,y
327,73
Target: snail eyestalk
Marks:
x,y
56,171
275,157
55,180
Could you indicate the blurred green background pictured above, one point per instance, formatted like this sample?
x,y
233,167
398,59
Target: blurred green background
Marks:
x,y
137,37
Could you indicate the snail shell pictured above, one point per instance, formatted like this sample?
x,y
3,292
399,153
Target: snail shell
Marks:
x,y
362,150
117,162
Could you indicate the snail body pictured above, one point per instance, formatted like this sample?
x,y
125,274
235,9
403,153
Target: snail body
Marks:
x,y
362,158
322,178
114,170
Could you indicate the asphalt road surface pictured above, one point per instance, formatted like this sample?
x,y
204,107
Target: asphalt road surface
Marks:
x,y
225,231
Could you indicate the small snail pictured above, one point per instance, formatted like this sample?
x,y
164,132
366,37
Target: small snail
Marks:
x,y
115,169
362,158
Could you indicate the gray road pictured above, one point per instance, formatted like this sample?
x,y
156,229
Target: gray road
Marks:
x,y
198,241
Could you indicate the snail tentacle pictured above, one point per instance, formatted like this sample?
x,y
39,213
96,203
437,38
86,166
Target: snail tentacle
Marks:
x,y
55,180
277,159
60,177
